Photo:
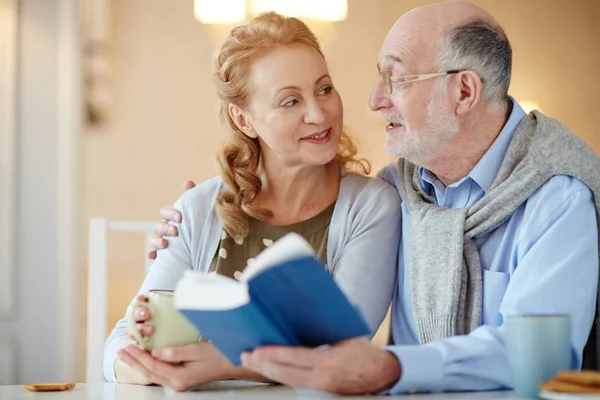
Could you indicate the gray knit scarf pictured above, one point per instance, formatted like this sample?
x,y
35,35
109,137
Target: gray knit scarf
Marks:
x,y
445,270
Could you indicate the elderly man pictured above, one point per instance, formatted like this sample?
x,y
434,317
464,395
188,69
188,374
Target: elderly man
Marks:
x,y
498,217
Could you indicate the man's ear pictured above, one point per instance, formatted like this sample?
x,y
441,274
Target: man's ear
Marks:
x,y
239,118
467,91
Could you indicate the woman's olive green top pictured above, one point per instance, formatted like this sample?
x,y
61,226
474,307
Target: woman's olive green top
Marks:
x,y
233,256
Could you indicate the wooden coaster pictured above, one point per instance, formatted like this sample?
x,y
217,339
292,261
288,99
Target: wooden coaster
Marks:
x,y
49,387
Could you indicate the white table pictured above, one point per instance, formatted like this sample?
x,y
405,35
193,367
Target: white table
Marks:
x,y
229,390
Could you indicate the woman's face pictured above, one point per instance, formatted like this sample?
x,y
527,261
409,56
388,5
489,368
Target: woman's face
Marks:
x,y
294,109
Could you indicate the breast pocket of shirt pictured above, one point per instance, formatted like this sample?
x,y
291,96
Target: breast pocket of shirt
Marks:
x,y
494,287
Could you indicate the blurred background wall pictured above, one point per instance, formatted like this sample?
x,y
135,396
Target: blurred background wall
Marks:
x,y
39,131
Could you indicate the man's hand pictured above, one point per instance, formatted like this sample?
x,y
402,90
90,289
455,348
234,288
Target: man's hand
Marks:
x,y
180,368
351,367
163,228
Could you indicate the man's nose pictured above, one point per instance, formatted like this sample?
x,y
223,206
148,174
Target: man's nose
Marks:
x,y
379,99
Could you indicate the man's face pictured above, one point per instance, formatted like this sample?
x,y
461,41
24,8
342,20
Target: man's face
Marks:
x,y
419,114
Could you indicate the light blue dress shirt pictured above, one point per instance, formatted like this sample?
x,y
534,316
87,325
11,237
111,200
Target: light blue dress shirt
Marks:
x,y
543,259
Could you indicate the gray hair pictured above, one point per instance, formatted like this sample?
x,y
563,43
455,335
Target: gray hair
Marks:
x,y
483,48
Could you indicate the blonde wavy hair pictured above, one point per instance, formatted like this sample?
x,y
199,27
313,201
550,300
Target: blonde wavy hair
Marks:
x,y
239,156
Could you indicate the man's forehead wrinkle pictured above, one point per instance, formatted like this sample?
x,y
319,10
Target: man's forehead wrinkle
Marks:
x,y
409,47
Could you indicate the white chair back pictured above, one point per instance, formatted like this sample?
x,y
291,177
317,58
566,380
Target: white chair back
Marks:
x,y
98,286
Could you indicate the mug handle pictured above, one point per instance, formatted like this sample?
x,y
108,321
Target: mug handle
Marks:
x,y
142,340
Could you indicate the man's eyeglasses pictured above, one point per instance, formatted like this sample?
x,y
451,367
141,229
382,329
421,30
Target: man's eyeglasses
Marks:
x,y
388,82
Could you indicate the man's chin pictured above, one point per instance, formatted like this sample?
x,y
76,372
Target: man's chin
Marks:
x,y
396,150
399,151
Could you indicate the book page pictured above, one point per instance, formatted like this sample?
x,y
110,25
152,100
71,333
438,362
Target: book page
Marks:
x,y
210,292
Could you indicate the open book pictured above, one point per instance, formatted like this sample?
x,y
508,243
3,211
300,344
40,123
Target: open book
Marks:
x,y
285,297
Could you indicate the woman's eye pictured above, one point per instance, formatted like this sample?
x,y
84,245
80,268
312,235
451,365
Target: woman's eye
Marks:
x,y
326,90
290,103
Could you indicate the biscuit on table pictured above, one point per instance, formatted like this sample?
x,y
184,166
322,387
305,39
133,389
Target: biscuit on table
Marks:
x,y
49,387
555,385
586,377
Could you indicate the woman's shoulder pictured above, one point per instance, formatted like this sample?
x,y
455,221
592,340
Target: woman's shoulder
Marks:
x,y
389,174
364,204
361,183
361,190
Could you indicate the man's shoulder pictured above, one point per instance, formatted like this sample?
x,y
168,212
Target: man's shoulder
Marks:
x,y
559,188
557,192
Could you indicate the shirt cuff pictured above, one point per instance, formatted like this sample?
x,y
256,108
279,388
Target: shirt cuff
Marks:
x,y
422,369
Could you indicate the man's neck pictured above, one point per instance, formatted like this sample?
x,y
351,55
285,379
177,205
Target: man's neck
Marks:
x,y
458,158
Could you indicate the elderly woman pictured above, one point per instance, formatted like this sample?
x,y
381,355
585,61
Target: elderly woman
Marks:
x,y
288,166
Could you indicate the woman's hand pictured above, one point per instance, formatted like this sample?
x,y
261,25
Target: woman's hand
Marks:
x,y
180,368
141,315
126,374
123,372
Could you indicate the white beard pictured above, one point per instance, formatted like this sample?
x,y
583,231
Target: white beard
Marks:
x,y
423,145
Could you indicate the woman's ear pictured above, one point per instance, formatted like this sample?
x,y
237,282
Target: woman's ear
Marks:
x,y
240,119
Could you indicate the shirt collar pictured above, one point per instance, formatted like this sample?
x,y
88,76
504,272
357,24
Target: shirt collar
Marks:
x,y
488,167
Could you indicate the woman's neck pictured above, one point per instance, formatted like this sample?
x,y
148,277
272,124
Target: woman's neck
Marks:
x,y
297,194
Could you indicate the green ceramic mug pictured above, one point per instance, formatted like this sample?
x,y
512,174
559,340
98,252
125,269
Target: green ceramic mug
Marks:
x,y
171,328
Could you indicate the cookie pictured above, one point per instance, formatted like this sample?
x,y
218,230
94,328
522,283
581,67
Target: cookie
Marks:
x,y
49,387
555,385
586,377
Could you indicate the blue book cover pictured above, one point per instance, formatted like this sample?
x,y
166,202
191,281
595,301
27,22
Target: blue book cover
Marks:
x,y
286,297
